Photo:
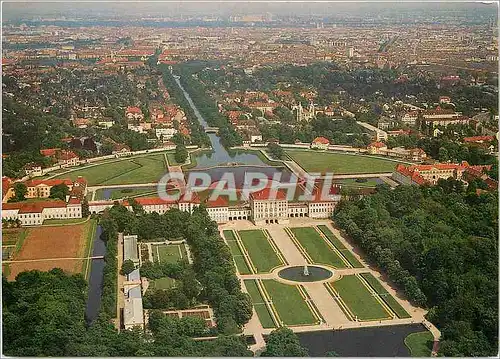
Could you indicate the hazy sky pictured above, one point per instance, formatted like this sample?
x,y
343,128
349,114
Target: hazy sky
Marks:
x,y
16,9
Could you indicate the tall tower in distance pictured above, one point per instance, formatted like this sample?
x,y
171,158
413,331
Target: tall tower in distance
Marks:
x,y
350,52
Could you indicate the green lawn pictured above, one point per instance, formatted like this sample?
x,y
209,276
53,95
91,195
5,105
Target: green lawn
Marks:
x,y
241,264
316,247
170,253
64,221
358,299
162,283
385,295
420,344
291,307
258,302
340,163
87,250
143,169
261,253
340,246
118,193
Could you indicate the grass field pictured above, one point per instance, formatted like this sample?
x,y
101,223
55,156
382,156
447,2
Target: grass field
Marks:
x,y
261,253
258,303
358,299
316,247
420,344
241,264
170,253
340,246
89,243
118,193
143,169
385,295
291,307
161,283
340,163
63,221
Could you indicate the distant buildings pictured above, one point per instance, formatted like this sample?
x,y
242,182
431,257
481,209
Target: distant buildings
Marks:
x,y
63,158
443,117
422,174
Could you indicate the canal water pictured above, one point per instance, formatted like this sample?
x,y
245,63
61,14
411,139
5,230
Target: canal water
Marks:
x,y
96,278
241,161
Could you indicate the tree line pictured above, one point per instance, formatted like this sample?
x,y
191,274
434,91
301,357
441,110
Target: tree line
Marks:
x,y
440,246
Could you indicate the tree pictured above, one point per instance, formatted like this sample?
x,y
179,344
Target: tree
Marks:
x,y
59,191
275,150
181,153
283,342
20,191
85,207
443,155
127,267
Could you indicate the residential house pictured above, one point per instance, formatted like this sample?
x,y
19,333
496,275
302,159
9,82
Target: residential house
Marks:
x,y
320,143
376,148
134,114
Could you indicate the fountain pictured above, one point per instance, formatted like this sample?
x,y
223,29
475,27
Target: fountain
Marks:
x,y
306,273
306,270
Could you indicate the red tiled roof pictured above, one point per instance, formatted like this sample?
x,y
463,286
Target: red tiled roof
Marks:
x,y
49,182
220,201
268,194
49,152
67,155
133,109
74,201
151,201
479,139
377,144
33,207
81,180
6,181
321,140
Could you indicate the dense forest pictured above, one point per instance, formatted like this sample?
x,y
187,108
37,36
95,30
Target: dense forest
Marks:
x,y
53,303
440,245
340,132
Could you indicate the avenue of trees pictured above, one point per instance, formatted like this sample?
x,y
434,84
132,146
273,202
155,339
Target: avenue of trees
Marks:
x,y
198,135
206,105
440,246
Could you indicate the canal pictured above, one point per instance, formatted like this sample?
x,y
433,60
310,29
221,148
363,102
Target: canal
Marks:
x,y
96,278
219,156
